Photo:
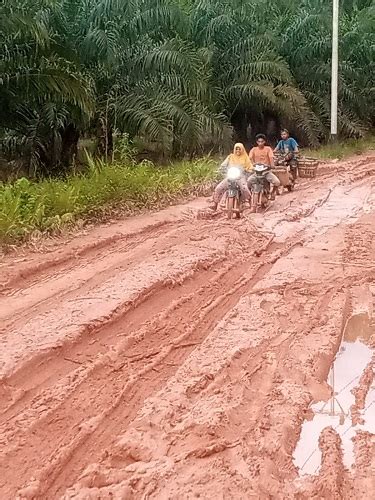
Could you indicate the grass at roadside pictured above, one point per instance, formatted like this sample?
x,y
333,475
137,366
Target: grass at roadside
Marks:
x,y
27,207
343,149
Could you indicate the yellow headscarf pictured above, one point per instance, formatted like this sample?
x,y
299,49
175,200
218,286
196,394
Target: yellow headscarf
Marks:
x,y
242,160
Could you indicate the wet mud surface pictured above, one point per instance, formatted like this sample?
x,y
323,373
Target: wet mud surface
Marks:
x,y
176,356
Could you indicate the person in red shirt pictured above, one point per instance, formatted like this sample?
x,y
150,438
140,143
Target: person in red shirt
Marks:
x,y
262,154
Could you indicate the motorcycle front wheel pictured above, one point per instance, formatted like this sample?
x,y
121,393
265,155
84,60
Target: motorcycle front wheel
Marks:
x,y
230,207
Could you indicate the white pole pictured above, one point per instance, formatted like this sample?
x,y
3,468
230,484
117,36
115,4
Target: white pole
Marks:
x,y
335,68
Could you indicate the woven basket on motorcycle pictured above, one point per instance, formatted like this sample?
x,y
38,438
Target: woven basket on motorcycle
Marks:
x,y
282,174
307,167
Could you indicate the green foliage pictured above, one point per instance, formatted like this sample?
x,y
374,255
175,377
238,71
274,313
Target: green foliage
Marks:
x,y
176,73
49,205
306,46
343,149
124,150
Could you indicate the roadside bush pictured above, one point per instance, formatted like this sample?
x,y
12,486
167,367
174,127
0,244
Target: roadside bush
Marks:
x,y
342,149
49,205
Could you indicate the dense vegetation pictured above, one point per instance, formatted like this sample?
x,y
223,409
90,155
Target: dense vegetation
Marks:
x,y
176,74
28,207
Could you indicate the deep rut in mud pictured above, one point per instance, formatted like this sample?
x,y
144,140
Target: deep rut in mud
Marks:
x,y
170,357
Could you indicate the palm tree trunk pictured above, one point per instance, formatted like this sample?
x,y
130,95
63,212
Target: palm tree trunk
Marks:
x,y
239,123
256,126
272,127
104,147
69,148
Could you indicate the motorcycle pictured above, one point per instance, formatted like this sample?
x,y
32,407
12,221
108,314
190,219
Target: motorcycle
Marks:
x,y
261,190
233,195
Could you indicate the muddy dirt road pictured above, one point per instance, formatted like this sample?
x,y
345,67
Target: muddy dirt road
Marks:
x,y
162,357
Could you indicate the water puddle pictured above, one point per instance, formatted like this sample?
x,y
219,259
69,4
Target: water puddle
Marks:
x,y
351,360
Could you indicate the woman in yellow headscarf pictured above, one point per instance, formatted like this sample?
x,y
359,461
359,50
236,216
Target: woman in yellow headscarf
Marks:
x,y
239,158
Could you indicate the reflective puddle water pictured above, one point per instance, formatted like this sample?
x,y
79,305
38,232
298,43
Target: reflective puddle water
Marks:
x,y
351,360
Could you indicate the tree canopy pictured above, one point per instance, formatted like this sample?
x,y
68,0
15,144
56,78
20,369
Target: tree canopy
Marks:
x,y
178,73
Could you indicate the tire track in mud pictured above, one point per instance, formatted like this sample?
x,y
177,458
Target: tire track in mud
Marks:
x,y
106,335
31,273
121,291
71,402
86,270
194,334
227,280
244,392
91,452
99,340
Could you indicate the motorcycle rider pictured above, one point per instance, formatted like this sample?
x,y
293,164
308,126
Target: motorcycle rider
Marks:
x,y
239,158
287,146
263,155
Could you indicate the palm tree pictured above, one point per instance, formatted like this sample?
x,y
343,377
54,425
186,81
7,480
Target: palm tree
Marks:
x,y
176,73
150,81
44,96
309,30
255,82
124,64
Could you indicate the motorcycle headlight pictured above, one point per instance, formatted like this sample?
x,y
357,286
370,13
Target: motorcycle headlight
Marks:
x,y
259,169
233,173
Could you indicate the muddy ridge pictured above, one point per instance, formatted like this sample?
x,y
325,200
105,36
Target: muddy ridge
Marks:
x,y
166,356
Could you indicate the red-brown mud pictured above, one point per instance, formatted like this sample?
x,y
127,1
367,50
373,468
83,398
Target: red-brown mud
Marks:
x,y
167,356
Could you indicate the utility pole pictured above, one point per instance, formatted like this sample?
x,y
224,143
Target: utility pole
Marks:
x,y
335,68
